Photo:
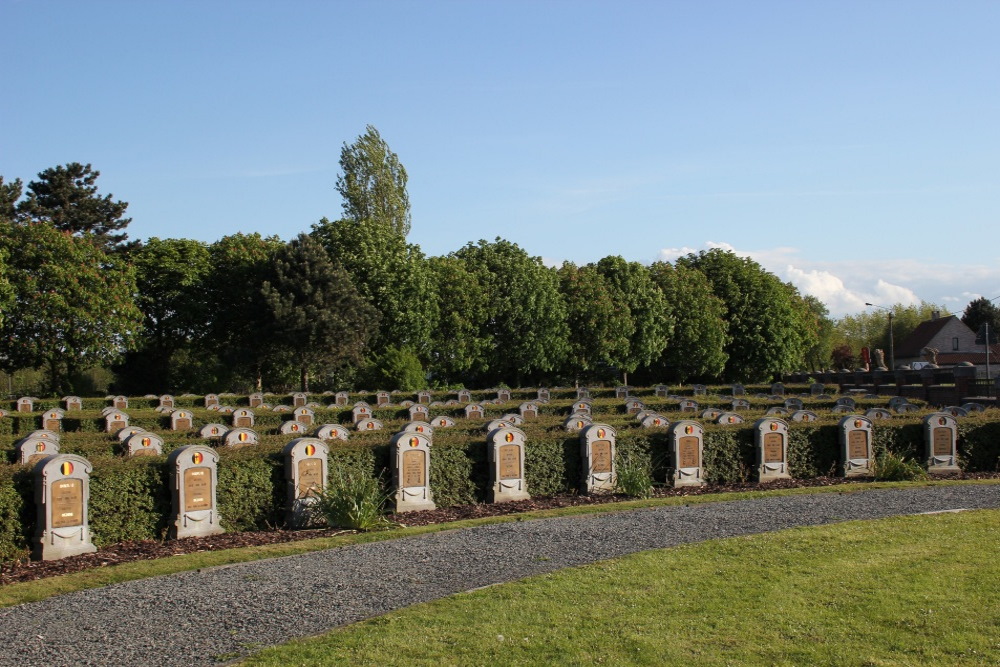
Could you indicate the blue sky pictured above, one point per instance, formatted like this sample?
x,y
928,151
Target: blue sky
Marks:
x,y
850,147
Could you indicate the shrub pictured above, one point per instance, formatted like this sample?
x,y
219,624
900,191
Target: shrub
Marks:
x,y
635,476
353,500
892,467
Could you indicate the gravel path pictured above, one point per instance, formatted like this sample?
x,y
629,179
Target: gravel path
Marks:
x,y
200,618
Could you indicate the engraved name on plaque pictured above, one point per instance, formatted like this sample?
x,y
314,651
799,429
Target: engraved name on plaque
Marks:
x,y
194,480
413,468
941,441
505,445
411,472
306,477
62,495
597,442
855,436
771,439
687,448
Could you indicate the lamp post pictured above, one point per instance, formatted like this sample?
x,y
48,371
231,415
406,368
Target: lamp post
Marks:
x,y
892,351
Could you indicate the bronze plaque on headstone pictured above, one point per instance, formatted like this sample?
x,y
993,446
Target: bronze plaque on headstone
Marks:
x,y
117,426
510,462
529,414
413,468
310,477
51,424
305,419
242,422
687,452
298,401
600,456
144,451
857,444
183,424
256,401
475,414
773,448
197,489
941,440
67,503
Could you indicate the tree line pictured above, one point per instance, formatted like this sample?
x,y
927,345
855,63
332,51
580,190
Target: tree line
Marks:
x,y
352,304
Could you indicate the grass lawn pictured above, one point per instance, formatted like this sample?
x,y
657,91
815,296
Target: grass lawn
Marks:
x,y
903,591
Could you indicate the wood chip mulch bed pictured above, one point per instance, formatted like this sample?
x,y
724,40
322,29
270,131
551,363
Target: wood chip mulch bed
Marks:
x,y
136,550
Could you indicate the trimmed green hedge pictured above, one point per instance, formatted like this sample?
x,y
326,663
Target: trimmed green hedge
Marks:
x,y
130,498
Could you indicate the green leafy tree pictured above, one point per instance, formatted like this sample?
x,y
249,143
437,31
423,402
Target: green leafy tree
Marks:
x,y
391,274
982,311
373,183
73,303
526,320
645,309
765,334
315,316
459,343
66,197
871,329
395,368
170,274
819,330
10,193
697,345
598,324
235,308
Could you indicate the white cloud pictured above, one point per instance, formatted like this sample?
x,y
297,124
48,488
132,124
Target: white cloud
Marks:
x,y
845,285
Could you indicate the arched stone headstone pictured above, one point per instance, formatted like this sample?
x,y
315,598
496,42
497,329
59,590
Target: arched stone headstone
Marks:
x,y
793,403
119,403
815,389
655,421
896,401
739,390
778,389
474,411
306,474
529,411
973,407
699,390
243,418
855,437
332,432
62,499
240,437
804,416
304,416
52,419
211,399
299,399
582,392
361,412
739,404
728,418
418,427
465,396
577,422
941,440
143,444
878,413
494,424
341,398
442,422
292,427
115,421
181,420
688,405
26,404
776,412
771,439
420,412
166,401
582,406
955,411
847,402
687,453
411,472
661,390
256,400
368,425
382,398
72,403
193,481
213,431
424,397
597,452
634,406
127,432
506,457
543,394
32,449
503,395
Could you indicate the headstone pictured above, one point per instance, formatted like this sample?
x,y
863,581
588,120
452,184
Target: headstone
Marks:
x,y
778,389
212,431
126,433
661,390
166,401
474,411
739,390
465,396
529,411
771,440
418,427
513,419
292,427
634,406
211,399
793,403
32,449
804,416
577,422
193,481
896,401
120,403
699,390
583,392
687,453
368,425
341,398
503,395
52,419
816,389
941,439
739,404
442,421
777,412
240,437
907,407
361,412
654,421
711,414
424,397
243,418
597,454
494,424
299,399
506,458
181,420
115,421
306,472
73,403
621,392
256,400
583,406
878,413
382,398
419,411
687,405
412,471
62,499
955,411
26,404
847,402
332,432
144,444
406,404
543,394
729,418
281,409
855,436
973,407
304,416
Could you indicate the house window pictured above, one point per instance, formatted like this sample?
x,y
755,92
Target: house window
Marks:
x,y
954,343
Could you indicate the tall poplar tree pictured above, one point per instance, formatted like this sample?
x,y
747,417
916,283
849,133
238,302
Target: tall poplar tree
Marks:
x,y
373,183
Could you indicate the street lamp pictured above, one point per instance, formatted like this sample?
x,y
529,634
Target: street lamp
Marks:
x,y
892,351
